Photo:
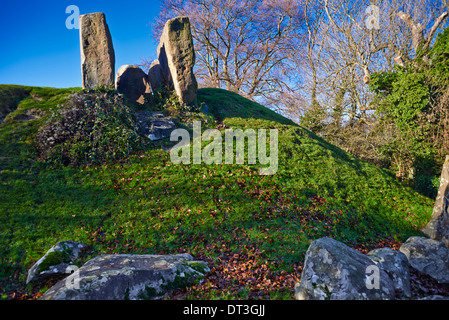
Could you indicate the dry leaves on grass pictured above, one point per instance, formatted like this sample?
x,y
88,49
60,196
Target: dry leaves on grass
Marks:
x,y
244,275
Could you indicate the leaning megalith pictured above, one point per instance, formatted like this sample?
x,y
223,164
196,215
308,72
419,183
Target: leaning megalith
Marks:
x,y
176,56
438,226
97,52
132,82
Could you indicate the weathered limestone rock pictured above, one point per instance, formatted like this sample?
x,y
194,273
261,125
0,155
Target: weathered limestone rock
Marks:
x,y
127,276
428,256
395,264
335,271
438,226
155,125
132,82
56,261
97,52
176,52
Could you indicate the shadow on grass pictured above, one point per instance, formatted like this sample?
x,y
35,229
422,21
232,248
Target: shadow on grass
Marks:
x,y
38,209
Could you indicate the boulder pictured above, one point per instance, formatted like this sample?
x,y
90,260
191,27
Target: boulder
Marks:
x,y
157,78
97,52
155,125
176,56
395,264
428,256
132,82
161,128
56,261
128,276
438,226
334,271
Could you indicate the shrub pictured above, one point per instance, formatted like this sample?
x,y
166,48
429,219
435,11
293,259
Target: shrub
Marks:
x,y
168,101
415,101
92,127
426,185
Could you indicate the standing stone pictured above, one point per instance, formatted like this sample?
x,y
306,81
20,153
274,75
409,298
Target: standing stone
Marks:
x,y
438,226
97,52
176,52
132,82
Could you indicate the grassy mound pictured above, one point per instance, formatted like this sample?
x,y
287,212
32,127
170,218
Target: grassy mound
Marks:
x,y
252,229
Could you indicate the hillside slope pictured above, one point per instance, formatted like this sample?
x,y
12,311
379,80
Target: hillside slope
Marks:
x,y
252,229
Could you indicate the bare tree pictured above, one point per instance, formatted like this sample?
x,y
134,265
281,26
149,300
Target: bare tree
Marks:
x,y
242,45
312,59
342,52
412,28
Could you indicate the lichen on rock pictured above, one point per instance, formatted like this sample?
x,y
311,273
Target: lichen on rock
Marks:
x,y
126,276
56,261
334,271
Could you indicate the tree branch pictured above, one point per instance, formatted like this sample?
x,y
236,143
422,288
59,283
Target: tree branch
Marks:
x,y
434,28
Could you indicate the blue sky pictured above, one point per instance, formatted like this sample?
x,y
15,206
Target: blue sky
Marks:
x,y
37,49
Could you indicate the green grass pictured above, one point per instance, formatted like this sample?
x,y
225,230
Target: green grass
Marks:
x,y
146,204
226,104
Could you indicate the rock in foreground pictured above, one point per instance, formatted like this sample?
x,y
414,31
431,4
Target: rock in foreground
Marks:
x,y
56,261
334,271
126,276
395,264
428,256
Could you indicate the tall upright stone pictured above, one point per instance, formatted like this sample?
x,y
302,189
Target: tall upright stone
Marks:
x,y
176,56
97,52
438,226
